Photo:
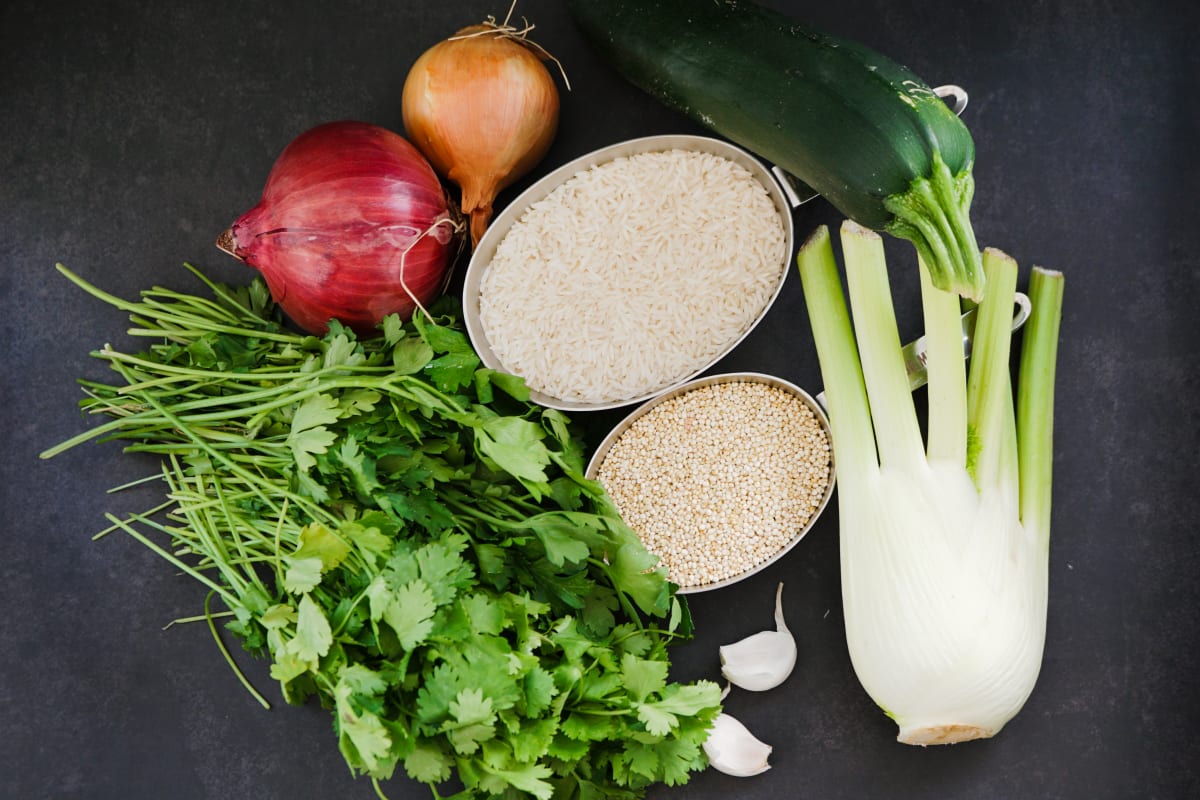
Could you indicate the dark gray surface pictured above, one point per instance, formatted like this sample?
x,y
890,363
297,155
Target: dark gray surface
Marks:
x,y
132,133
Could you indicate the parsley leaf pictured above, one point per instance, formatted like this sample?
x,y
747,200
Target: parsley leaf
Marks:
x,y
318,541
414,545
360,732
514,445
313,634
409,613
302,574
309,434
643,677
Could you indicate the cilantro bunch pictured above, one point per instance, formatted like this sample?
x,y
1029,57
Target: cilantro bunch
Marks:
x,y
411,542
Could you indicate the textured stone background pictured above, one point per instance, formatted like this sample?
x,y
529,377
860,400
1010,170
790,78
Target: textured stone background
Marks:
x,y
132,133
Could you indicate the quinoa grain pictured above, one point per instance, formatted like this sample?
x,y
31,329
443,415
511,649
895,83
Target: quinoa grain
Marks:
x,y
720,478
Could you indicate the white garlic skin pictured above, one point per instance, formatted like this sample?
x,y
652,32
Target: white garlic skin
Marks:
x,y
733,750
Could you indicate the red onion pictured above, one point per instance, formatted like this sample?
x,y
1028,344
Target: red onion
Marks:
x,y
353,225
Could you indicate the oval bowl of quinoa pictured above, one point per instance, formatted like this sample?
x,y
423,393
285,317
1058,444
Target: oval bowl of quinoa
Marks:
x,y
720,476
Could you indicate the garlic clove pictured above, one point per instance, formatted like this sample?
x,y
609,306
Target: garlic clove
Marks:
x,y
764,660
733,750
760,662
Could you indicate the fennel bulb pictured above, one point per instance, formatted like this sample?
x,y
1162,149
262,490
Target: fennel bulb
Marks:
x,y
945,542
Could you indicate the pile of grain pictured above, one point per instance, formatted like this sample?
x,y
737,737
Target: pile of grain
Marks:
x,y
719,479
632,275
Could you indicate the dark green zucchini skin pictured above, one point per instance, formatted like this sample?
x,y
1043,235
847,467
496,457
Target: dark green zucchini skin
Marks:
x,y
851,123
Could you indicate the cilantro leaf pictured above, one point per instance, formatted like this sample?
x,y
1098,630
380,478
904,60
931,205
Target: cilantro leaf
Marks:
x,y
452,371
559,535
663,715
472,721
539,691
318,541
362,736
410,613
584,727
302,574
361,679
642,758
428,763
688,699
643,677
512,385
379,596
485,614
341,349
287,666
410,355
369,540
437,691
597,616
420,506
401,566
393,328
565,748
443,568
360,468
680,756
359,401
514,445
528,778
635,572
309,435
532,739
442,338
316,410
278,616
658,721
571,449
313,634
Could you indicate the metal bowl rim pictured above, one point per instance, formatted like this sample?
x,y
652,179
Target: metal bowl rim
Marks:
x,y
503,222
625,424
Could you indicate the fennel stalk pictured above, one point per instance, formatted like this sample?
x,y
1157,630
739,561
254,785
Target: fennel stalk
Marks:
x,y
944,541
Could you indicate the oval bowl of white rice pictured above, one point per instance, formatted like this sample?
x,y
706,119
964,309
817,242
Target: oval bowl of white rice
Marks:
x,y
628,271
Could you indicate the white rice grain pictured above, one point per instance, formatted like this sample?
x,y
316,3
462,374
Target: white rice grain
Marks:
x,y
632,275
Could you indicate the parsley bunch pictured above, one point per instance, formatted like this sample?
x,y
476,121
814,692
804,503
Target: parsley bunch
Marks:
x,y
411,542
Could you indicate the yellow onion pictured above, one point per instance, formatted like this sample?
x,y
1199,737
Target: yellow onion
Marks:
x,y
483,109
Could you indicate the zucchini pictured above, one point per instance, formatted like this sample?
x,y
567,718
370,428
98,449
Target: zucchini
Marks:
x,y
868,134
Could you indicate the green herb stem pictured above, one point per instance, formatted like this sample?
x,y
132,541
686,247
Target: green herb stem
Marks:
x,y
307,474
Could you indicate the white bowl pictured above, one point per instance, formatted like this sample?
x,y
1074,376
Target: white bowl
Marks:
x,y
486,249
601,452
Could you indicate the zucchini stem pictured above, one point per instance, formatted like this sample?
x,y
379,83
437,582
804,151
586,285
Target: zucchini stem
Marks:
x,y
934,214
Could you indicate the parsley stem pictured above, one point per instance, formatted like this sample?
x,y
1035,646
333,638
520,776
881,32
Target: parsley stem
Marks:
x,y
379,789
268,492
221,292
161,507
230,599
198,618
299,470
241,676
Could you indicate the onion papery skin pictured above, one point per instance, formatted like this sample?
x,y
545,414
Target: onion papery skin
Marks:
x,y
483,108
346,207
